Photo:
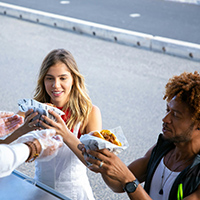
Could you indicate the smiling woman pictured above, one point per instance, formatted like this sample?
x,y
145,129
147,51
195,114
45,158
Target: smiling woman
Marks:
x,y
58,83
61,84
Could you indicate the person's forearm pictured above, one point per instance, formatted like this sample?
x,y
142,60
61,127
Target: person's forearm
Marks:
x,y
117,186
72,142
139,194
114,185
16,134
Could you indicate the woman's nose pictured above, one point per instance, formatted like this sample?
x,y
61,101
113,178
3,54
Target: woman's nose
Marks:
x,y
56,84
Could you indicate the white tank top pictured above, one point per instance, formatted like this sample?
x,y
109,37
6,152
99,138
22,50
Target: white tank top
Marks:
x,y
156,182
66,174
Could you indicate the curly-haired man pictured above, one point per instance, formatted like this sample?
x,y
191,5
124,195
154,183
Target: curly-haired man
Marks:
x,y
171,168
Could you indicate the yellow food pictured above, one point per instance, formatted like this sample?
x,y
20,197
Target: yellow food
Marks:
x,y
108,136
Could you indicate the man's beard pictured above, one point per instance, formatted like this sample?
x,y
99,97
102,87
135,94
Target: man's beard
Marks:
x,y
184,136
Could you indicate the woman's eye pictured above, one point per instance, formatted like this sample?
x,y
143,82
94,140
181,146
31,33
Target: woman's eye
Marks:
x,y
48,78
63,78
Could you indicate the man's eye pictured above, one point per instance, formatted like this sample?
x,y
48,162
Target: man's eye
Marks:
x,y
175,114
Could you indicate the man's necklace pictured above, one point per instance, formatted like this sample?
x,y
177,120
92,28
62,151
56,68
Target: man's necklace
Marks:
x,y
163,184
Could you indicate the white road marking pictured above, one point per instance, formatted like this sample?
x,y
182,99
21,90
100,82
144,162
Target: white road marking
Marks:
x,y
187,1
64,2
134,15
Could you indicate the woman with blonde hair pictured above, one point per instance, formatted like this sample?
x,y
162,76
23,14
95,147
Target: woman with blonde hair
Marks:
x,y
61,84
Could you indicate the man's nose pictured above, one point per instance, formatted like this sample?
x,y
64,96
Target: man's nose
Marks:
x,y
167,118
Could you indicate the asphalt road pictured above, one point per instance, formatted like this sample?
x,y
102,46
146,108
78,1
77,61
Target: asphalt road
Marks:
x,y
170,19
126,83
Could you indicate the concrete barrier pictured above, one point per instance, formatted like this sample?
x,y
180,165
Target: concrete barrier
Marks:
x,y
121,36
176,47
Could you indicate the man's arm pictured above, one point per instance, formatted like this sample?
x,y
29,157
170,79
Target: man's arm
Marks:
x,y
11,156
139,166
194,196
42,145
116,174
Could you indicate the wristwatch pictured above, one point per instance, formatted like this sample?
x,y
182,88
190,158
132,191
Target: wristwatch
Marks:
x,y
130,187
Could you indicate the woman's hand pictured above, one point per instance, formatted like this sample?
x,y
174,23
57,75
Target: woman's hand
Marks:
x,y
61,129
59,125
29,124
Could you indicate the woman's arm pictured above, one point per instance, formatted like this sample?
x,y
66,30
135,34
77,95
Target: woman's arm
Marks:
x,y
94,123
61,129
94,120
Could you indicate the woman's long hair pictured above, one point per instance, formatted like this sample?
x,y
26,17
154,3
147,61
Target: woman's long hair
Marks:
x,y
79,104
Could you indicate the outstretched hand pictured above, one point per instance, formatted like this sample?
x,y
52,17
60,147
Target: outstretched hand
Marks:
x,y
108,164
46,139
9,122
59,125
4,114
50,143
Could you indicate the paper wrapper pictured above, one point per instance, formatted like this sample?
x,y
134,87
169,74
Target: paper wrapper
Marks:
x,y
41,108
94,143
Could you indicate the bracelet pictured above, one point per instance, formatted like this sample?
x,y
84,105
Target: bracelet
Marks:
x,y
33,151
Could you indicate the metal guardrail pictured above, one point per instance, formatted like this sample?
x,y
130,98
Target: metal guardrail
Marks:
x,y
117,35
19,186
40,185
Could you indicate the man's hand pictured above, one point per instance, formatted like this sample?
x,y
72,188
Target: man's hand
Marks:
x,y
49,142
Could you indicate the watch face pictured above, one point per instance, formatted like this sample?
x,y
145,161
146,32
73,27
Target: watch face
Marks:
x,y
131,187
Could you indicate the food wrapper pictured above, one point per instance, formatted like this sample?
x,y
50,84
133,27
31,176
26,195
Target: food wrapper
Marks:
x,y
94,143
41,108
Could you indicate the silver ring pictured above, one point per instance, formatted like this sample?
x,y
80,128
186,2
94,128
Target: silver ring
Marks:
x,y
29,125
101,164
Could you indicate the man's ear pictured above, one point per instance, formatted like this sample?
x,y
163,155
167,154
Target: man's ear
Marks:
x,y
198,126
